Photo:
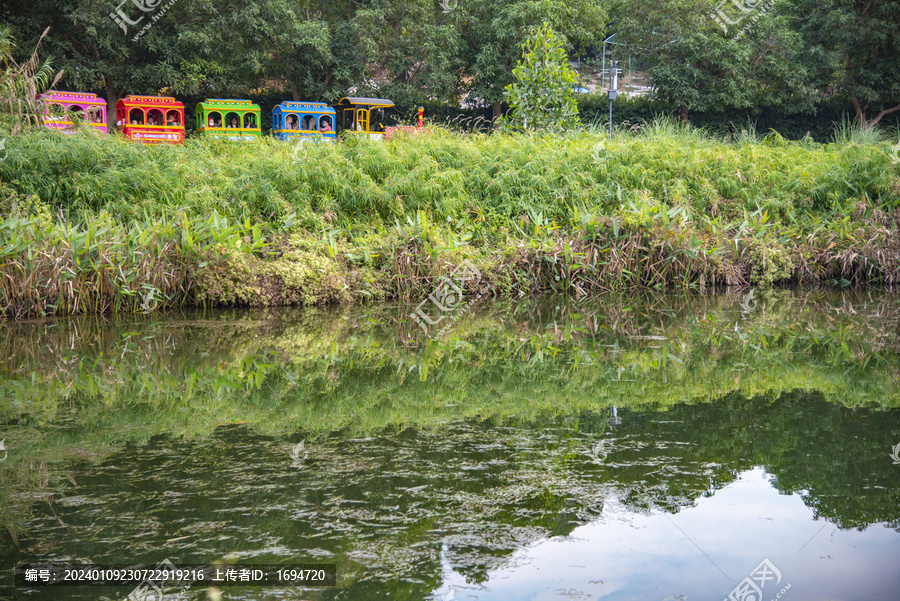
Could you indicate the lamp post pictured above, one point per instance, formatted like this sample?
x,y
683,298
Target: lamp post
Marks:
x,y
613,88
614,419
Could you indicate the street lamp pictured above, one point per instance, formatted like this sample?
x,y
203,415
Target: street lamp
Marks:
x,y
613,88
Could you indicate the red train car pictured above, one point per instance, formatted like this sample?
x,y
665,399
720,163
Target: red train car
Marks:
x,y
151,119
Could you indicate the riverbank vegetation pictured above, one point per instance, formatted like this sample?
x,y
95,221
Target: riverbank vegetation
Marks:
x,y
95,223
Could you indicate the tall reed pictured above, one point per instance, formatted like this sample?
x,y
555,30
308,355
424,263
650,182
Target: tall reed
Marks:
x,y
21,84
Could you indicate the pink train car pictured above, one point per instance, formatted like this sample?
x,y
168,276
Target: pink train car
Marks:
x,y
71,103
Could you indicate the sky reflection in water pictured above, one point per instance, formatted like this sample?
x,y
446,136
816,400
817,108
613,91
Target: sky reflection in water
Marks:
x,y
703,552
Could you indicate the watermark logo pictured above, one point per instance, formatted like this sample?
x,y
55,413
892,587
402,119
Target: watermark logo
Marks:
x,y
739,15
600,152
150,301
151,590
299,452
895,455
751,587
447,298
614,419
123,20
6,452
748,303
600,451
298,154
448,6
895,153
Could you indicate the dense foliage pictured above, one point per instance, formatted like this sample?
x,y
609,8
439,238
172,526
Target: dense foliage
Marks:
x,y
702,56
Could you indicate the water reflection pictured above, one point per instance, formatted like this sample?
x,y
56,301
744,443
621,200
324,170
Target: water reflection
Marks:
x,y
703,552
656,448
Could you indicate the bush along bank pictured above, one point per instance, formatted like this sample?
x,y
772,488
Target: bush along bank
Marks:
x,y
97,224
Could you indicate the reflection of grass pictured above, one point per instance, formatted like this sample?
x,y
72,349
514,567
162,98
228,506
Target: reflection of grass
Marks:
x,y
24,483
328,372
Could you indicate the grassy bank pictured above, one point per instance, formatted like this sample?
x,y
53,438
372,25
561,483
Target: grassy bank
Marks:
x,y
96,223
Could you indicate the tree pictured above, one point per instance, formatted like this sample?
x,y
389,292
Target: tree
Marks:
x,y
699,64
854,49
542,97
209,47
412,49
97,53
309,48
494,30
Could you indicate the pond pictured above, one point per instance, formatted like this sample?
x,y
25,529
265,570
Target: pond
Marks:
x,y
649,446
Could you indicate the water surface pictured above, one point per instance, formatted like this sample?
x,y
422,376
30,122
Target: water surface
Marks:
x,y
649,447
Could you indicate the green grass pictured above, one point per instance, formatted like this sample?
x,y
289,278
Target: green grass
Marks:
x,y
661,206
449,175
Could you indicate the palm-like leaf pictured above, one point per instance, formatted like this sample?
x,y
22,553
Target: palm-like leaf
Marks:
x,y
21,84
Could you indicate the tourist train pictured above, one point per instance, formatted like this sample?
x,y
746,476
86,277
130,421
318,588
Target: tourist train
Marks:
x,y
160,119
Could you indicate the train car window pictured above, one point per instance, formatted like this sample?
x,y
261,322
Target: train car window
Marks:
x,y
232,120
57,111
376,120
325,124
293,122
309,123
154,117
249,121
362,120
173,119
214,119
136,117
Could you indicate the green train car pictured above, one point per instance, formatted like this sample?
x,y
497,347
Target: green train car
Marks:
x,y
228,119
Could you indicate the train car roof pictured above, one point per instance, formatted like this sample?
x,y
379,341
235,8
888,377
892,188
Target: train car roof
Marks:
x,y
150,101
301,106
79,97
366,101
228,103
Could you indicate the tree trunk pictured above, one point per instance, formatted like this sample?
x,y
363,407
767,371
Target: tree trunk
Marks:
x,y
684,114
295,93
498,108
112,99
860,111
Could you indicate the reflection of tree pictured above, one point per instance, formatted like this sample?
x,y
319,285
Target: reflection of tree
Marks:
x,y
387,503
830,455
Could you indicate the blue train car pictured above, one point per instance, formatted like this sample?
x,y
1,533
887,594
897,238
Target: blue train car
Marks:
x,y
295,121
